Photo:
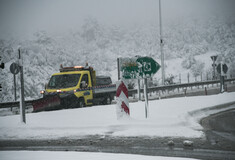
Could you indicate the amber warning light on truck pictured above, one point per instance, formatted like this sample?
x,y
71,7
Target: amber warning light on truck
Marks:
x,y
78,67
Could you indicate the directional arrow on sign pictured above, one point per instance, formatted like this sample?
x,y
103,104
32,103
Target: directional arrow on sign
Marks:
x,y
148,67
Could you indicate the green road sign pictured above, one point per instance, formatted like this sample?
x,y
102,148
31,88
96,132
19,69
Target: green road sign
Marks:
x,y
138,67
147,67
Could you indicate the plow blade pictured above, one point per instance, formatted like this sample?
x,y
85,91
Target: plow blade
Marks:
x,y
47,103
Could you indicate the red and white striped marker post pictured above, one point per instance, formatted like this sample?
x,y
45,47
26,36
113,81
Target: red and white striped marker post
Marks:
x,y
122,100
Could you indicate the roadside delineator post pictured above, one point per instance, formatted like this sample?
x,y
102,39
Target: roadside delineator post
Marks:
x,y
122,100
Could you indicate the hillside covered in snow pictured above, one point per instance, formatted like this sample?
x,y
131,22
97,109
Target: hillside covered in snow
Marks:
x,y
188,46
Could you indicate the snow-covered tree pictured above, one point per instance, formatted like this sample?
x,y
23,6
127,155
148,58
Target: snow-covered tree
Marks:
x,y
197,68
188,62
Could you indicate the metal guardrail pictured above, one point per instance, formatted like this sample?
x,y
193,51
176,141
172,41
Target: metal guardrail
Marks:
x,y
134,91
15,104
183,85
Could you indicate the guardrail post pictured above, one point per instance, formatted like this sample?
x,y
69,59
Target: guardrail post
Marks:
x,y
205,91
185,89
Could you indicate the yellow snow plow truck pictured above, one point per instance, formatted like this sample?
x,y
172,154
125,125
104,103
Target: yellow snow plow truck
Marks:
x,y
75,87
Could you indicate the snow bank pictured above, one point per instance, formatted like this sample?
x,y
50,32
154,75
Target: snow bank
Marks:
x,y
167,118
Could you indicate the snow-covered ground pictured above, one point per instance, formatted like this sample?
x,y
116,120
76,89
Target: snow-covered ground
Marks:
x,y
39,155
176,117
174,67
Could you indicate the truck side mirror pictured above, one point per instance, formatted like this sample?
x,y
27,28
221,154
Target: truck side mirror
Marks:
x,y
46,85
83,84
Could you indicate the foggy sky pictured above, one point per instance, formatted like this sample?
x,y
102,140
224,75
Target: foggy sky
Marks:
x,y
54,14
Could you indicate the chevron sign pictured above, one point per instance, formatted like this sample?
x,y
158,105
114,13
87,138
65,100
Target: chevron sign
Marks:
x,y
122,100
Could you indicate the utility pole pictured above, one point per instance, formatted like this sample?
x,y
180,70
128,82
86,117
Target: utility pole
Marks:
x,y
22,102
161,45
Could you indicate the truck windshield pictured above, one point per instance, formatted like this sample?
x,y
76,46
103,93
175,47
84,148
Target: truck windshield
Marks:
x,y
63,81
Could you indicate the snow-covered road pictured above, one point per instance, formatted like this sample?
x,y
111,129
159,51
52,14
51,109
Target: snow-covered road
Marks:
x,y
39,155
176,117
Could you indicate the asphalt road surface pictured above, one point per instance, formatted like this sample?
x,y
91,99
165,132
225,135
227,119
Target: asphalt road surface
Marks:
x,y
220,129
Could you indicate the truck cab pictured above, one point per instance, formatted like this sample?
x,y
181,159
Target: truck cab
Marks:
x,y
75,87
77,82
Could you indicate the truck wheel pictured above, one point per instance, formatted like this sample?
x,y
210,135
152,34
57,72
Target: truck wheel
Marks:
x,y
81,103
108,100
